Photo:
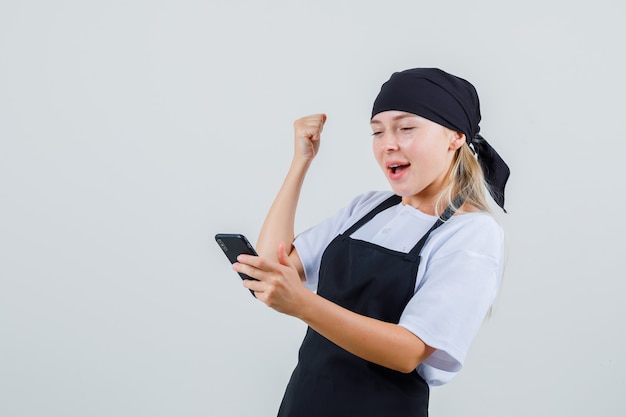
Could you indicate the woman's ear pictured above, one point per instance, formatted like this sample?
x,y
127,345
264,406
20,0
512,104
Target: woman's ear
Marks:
x,y
457,139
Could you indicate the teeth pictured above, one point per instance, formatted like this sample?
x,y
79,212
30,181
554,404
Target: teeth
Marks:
x,y
394,167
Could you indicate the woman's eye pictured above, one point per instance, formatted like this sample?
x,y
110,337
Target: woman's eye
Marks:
x,y
406,128
376,133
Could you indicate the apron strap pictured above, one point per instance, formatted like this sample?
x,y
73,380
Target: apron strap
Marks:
x,y
445,216
390,202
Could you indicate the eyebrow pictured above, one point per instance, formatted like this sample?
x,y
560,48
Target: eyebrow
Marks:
x,y
395,118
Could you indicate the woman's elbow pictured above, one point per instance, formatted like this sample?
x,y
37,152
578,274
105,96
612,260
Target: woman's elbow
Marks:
x,y
408,362
405,368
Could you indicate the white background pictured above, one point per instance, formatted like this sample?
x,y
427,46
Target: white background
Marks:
x,y
133,131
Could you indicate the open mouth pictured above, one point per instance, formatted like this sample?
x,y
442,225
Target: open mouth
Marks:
x,y
394,168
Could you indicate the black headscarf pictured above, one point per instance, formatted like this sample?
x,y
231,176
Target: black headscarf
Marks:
x,y
451,102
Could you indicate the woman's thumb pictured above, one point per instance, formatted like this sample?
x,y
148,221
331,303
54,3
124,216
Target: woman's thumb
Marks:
x,y
283,256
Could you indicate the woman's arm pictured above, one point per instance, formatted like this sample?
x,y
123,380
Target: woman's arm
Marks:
x,y
280,274
386,344
383,343
279,222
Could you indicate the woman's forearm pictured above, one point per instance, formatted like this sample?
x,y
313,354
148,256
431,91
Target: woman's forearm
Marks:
x,y
279,222
386,344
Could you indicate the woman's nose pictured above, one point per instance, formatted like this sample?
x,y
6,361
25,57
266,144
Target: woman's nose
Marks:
x,y
390,142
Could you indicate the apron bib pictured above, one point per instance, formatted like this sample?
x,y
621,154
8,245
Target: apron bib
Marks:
x,y
376,282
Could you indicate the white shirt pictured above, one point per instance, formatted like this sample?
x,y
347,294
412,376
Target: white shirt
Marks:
x,y
457,280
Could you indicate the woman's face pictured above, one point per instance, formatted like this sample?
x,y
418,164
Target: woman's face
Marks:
x,y
415,155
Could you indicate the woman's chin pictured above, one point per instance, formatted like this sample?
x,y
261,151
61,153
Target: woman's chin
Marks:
x,y
401,191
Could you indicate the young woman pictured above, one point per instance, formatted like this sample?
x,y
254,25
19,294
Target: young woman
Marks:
x,y
401,281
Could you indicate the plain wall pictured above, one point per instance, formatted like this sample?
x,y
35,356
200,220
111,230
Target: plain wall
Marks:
x,y
133,131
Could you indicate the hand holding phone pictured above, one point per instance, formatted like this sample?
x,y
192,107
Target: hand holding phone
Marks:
x,y
234,245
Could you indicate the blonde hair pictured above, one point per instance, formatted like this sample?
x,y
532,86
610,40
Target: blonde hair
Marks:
x,y
466,181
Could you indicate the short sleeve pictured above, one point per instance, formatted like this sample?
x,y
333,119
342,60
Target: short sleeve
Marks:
x,y
459,284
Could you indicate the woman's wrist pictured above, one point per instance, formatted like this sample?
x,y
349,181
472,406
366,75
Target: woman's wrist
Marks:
x,y
299,167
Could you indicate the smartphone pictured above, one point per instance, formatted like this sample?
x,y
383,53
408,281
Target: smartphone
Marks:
x,y
234,245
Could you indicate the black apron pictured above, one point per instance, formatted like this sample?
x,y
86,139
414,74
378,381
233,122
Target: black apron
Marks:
x,y
376,282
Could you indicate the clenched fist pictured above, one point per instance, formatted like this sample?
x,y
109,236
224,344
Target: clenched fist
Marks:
x,y
307,131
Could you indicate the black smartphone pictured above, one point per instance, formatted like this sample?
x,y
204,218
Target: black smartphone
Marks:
x,y
234,245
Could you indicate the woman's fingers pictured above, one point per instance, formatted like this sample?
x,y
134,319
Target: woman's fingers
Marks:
x,y
278,284
310,126
247,265
258,283
257,267
256,286
308,131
